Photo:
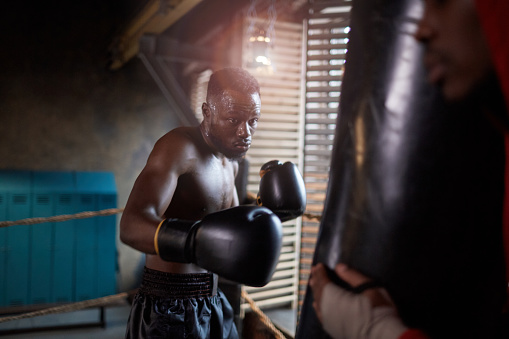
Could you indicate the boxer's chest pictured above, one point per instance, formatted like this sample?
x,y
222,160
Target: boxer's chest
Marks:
x,y
206,189
217,181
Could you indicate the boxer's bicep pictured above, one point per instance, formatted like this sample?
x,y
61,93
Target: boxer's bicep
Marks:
x,y
145,209
160,181
150,197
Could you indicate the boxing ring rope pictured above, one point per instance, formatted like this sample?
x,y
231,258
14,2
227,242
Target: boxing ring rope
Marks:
x,y
311,216
64,217
83,215
263,317
116,297
70,307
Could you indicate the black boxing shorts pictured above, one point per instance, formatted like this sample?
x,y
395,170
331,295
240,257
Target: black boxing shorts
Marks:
x,y
171,305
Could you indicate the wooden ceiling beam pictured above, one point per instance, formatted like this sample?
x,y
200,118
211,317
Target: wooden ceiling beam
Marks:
x,y
154,18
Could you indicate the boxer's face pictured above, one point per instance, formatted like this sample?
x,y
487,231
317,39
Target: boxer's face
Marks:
x,y
232,120
457,56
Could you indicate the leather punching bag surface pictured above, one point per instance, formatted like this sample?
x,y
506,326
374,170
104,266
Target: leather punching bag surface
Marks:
x,y
415,190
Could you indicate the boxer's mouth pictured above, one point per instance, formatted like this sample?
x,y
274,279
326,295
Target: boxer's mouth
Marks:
x,y
436,73
435,67
244,146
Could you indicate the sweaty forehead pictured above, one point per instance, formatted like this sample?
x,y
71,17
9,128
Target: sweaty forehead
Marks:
x,y
232,99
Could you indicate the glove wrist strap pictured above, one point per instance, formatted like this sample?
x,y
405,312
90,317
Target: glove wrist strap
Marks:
x,y
173,241
156,245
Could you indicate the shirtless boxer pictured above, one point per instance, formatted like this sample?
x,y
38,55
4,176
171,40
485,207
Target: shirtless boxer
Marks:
x,y
189,175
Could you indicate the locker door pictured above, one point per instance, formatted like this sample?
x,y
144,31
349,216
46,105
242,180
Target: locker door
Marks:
x,y
106,247
3,248
63,251
16,185
86,250
41,245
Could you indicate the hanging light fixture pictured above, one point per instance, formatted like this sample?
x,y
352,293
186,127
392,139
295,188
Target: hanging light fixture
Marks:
x,y
261,38
259,42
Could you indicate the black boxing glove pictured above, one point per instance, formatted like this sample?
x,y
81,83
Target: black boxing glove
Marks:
x,y
282,190
241,243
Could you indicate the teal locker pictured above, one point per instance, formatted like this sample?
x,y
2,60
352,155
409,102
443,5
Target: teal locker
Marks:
x,y
64,247
47,186
98,188
40,256
106,247
86,249
56,262
18,186
64,250
3,246
106,232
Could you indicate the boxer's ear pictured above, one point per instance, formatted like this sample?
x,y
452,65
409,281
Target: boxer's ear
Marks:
x,y
205,109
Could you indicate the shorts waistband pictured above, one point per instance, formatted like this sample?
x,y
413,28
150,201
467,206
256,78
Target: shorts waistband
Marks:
x,y
173,285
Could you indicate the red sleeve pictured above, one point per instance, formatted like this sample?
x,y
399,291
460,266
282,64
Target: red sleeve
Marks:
x,y
493,16
505,232
413,334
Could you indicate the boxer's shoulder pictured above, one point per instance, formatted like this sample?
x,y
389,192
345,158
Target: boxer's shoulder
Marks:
x,y
184,135
181,141
184,151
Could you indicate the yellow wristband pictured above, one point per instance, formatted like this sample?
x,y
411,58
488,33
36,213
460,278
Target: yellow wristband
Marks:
x,y
155,236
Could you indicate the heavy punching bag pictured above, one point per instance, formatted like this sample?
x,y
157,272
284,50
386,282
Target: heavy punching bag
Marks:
x,y
415,191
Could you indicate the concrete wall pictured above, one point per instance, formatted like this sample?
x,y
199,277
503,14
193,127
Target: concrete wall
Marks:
x,y
61,109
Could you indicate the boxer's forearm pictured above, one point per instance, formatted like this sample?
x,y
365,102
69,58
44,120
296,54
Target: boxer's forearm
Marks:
x,y
137,230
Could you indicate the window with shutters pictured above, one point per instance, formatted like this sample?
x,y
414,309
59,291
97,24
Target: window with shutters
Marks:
x,y
300,103
279,136
327,31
